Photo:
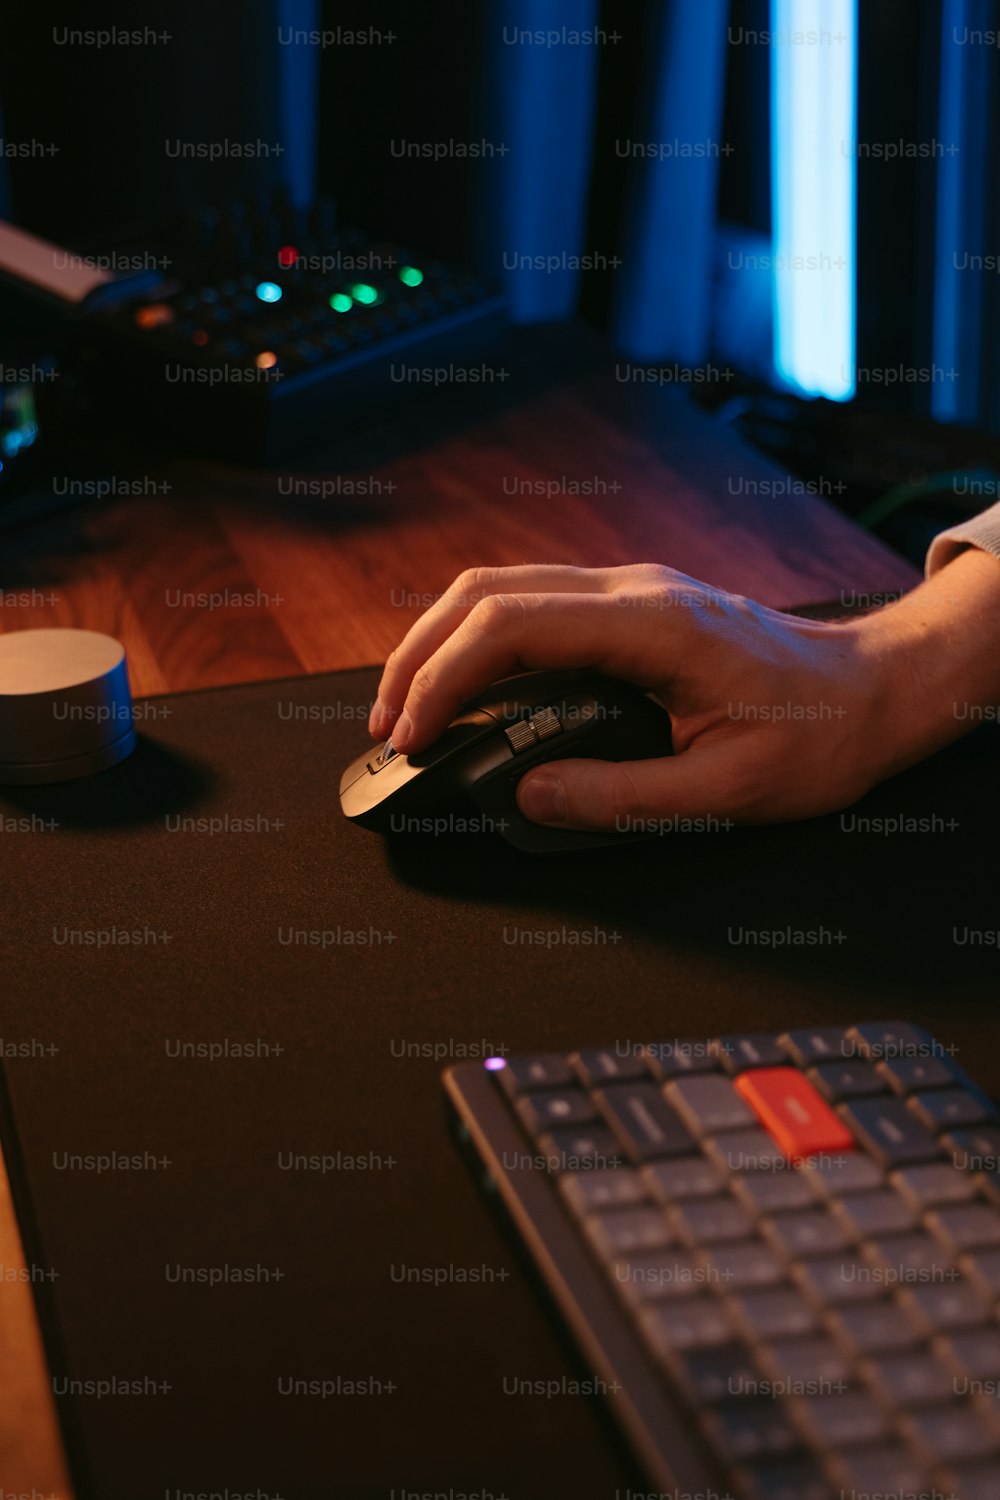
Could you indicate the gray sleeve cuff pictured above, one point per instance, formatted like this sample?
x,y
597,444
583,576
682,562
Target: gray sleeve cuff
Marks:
x,y
981,531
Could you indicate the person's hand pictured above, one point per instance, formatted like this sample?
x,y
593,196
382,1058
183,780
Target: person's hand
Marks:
x,y
774,717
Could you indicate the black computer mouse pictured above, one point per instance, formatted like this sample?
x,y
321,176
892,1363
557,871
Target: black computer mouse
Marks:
x,y
466,780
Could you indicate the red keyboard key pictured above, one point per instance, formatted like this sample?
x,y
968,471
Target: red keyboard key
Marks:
x,y
792,1112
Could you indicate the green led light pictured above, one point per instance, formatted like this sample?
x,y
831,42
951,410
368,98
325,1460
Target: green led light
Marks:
x,y
341,302
410,276
362,292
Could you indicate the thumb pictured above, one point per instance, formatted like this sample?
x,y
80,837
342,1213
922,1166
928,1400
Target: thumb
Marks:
x,y
632,796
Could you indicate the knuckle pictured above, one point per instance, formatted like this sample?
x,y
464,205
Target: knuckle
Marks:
x,y
655,575
473,584
496,610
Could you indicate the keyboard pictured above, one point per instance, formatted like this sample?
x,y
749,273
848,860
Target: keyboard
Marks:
x,y
264,343
779,1255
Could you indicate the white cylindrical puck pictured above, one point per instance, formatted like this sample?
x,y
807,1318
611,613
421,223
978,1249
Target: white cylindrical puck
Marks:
x,y
65,705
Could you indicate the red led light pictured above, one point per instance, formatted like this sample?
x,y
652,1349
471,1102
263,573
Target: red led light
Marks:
x,y
287,256
199,337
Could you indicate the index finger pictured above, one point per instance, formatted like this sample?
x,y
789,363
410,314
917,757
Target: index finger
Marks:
x,y
507,633
444,616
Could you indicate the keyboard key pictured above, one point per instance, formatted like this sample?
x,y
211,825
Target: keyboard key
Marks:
x,y
880,1212
743,1264
943,1306
849,1172
792,1112
905,1074
585,1148
890,1470
709,1104
626,1230
983,1269
643,1121
748,1429
741,1151
757,1049
682,1177
986,1401
947,1108
813,1231
597,1065
656,1273
796,1478
807,1366
965,1226
915,1378
680,1323
872,1328
845,1080
815,1044
708,1221
830,1280
885,1039
901,1258
678,1058
887,1129
933,1182
774,1313
973,1355
708,1376
975,1482
977,1150
539,1112
770,1192
589,1192
833,1421
545,1070
947,1434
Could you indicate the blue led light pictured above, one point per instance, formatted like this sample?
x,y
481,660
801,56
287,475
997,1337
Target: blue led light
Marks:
x,y
269,291
813,158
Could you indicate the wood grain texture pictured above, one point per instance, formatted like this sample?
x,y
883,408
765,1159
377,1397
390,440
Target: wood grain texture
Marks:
x,y
315,583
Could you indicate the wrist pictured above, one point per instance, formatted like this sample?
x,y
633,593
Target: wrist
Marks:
x,y
934,658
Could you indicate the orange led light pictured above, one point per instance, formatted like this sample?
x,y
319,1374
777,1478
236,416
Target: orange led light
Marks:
x,y
154,314
266,360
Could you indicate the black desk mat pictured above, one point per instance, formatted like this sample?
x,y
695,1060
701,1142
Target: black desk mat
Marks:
x,y
443,945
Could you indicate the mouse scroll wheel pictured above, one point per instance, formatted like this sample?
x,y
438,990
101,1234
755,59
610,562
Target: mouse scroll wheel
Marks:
x,y
528,732
386,753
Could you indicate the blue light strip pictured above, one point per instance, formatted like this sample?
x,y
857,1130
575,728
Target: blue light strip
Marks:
x,y
960,228
538,103
298,68
663,309
813,175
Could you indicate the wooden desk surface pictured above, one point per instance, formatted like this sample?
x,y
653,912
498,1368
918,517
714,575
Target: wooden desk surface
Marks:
x,y
333,581
327,579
